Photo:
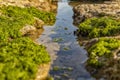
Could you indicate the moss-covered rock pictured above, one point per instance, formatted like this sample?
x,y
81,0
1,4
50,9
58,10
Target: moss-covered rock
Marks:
x,y
99,27
20,57
103,46
104,59
103,50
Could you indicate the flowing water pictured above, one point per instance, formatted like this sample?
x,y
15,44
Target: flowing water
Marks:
x,y
67,55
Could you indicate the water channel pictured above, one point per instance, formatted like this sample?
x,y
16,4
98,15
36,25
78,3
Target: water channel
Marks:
x,y
67,55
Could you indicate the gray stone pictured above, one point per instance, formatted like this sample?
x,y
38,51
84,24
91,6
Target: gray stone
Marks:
x,y
84,11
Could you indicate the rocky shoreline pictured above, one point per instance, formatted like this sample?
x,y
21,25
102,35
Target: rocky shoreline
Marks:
x,y
44,5
84,11
111,68
33,31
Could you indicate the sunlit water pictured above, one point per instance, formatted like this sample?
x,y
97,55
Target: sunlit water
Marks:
x,y
63,47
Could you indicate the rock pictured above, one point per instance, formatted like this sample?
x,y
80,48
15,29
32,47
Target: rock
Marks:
x,y
43,71
91,42
53,8
27,29
38,23
44,5
110,71
84,11
111,68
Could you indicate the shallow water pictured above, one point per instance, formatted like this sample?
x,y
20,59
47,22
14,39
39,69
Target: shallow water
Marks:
x,y
67,55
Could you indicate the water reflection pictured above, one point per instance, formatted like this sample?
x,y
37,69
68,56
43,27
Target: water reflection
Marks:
x,y
63,47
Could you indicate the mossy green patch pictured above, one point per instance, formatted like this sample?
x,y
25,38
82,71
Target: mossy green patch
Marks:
x,y
102,51
47,17
20,56
20,59
99,27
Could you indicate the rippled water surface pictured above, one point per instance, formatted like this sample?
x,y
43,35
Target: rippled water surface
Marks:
x,y
67,56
